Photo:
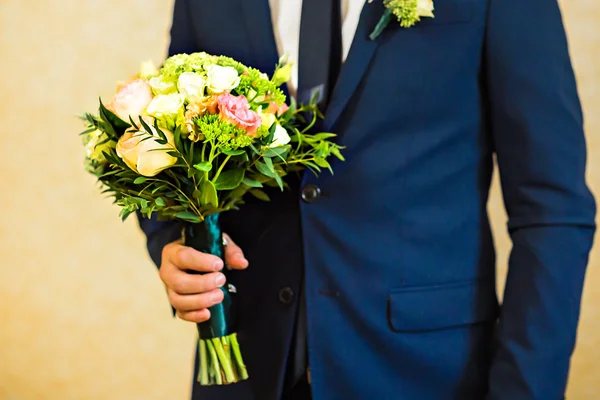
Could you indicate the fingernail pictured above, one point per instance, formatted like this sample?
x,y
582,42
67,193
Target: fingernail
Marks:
x,y
220,280
218,265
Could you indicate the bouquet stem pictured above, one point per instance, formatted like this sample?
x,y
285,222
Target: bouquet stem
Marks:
x,y
220,357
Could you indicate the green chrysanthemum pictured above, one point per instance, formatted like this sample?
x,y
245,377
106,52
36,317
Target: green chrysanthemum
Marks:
x,y
404,10
180,63
225,135
254,80
230,62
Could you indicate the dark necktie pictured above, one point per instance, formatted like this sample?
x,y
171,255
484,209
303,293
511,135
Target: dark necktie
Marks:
x,y
320,50
320,61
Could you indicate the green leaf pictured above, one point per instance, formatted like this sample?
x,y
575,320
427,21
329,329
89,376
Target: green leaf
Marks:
x,y
159,187
265,170
336,152
196,195
279,181
254,149
208,194
230,179
277,151
116,123
177,137
125,213
251,182
160,202
259,194
237,152
238,193
205,166
269,163
321,162
242,158
188,217
140,180
323,136
146,126
161,134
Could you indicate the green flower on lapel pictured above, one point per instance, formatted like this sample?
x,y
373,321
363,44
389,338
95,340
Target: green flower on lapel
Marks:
x,y
408,13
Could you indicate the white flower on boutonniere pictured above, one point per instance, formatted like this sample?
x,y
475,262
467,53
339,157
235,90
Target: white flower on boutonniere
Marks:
x,y
408,13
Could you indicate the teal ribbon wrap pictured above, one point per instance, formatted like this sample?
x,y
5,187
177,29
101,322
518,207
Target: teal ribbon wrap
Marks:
x,y
207,237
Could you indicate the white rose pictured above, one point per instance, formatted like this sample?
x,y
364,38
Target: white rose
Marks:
x,y
145,156
221,79
280,138
165,105
191,85
159,86
425,8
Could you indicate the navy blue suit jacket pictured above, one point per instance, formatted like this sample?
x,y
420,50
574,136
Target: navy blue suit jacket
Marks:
x,y
397,252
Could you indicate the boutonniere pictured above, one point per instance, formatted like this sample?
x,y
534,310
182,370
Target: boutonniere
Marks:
x,y
408,13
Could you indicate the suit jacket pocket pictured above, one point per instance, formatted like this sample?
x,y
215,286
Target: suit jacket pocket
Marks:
x,y
430,308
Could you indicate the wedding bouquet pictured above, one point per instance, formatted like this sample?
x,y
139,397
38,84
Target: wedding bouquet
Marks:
x,y
192,140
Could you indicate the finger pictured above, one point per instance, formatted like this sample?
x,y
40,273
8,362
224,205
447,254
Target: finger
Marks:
x,y
184,284
186,258
234,256
194,316
195,302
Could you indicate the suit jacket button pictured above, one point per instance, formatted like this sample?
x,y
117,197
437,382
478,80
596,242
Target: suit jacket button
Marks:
x,y
286,295
310,193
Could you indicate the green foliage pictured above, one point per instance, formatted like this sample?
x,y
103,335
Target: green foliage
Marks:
x,y
255,80
227,136
229,180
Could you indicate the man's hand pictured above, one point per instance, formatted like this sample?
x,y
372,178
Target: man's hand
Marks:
x,y
191,294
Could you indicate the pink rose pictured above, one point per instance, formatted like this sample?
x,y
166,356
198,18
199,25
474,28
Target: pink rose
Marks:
x,y
236,111
131,100
277,110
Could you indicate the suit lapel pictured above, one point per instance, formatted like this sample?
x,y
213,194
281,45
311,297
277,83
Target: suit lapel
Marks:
x,y
357,62
259,30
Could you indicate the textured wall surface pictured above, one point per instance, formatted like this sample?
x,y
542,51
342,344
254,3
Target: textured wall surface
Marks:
x,y
83,314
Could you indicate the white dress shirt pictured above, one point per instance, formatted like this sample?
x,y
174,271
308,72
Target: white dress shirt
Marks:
x,y
286,27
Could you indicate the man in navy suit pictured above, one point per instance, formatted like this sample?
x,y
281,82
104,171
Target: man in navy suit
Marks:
x,y
380,279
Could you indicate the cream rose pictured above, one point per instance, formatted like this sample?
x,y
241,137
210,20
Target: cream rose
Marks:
x,y
425,8
145,157
221,79
267,119
191,85
148,69
165,105
281,137
159,86
131,100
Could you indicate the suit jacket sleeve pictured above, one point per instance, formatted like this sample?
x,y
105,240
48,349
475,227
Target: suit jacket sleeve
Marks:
x,y
161,233
537,129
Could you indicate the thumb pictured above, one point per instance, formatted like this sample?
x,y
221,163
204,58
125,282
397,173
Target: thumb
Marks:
x,y
234,256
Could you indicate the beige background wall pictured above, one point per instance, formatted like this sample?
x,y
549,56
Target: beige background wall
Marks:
x,y
82,313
